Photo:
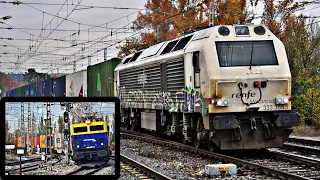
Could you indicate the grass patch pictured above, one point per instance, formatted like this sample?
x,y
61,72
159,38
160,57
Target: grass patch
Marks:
x,y
305,131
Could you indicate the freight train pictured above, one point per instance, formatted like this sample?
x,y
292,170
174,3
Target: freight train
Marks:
x,y
226,87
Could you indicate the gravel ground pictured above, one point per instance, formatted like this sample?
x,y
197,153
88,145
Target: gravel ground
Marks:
x,y
173,163
106,171
125,175
61,169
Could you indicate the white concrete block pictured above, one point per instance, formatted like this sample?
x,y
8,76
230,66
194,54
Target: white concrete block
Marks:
x,y
216,169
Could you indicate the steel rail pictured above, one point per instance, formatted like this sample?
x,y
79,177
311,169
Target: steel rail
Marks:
x,y
301,140
143,168
310,150
310,162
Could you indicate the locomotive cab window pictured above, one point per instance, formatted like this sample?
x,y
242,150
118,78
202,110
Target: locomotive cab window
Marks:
x,y
246,53
96,128
80,129
196,69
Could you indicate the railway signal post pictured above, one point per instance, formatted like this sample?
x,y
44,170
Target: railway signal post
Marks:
x,y
66,120
20,152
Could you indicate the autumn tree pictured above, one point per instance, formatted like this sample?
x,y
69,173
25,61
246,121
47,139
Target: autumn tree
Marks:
x,y
280,19
17,134
302,43
60,124
41,130
179,16
6,83
31,76
7,131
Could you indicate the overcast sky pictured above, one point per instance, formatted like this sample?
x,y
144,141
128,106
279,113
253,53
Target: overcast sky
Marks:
x,y
31,20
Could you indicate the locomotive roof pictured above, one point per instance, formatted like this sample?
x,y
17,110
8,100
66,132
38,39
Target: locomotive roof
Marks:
x,y
172,49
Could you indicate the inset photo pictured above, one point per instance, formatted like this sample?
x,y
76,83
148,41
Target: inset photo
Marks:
x,y
60,138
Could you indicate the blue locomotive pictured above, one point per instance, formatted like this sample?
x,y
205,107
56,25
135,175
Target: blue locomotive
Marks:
x,y
89,142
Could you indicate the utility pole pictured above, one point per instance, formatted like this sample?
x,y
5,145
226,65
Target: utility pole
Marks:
x,y
212,4
48,132
89,60
74,66
159,34
29,128
66,120
22,123
33,128
105,54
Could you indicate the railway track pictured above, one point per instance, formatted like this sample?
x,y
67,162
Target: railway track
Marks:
x,y
86,171
302,148
309,146
23,161
29,167
305,141
139,170
257,166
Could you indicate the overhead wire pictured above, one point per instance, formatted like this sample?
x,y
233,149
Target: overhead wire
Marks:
x,y
18,66
159,22
45,26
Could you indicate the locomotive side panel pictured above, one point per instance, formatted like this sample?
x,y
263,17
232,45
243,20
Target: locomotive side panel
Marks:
x,y
155,86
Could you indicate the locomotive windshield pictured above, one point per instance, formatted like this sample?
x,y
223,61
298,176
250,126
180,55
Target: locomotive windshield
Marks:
x,y
246,53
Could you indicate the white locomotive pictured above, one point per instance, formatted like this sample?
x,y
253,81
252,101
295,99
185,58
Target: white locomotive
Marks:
x,y
227,87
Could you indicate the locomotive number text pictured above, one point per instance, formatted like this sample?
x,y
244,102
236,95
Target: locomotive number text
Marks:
x,y
273,107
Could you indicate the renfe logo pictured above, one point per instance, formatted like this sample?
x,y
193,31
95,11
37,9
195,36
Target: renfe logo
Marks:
x,y
246,95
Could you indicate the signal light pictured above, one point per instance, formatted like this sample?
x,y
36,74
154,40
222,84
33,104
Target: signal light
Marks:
x,y
66,117
240,85
256,84
263,84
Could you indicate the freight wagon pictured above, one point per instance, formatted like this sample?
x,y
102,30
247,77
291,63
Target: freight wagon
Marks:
x,y
76,84
101,78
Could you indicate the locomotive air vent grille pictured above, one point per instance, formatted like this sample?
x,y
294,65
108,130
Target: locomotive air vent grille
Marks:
x,y
175,75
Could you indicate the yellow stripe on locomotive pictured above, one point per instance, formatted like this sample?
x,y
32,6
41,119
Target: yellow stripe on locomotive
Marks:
x,y
89,127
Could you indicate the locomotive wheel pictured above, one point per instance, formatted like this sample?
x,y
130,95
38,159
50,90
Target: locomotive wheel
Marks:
x,y
210,146
183,139
196,143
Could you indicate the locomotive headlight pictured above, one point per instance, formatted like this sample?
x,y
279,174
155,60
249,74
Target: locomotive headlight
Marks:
x,y
279,100
222,103
101,144
78,146
282,100
219,102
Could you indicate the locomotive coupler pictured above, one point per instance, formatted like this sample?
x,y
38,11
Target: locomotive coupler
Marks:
x,y
253,125
273,131
237,134
267,131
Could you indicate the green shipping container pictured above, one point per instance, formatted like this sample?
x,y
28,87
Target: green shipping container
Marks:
x,y
19,92
100,78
